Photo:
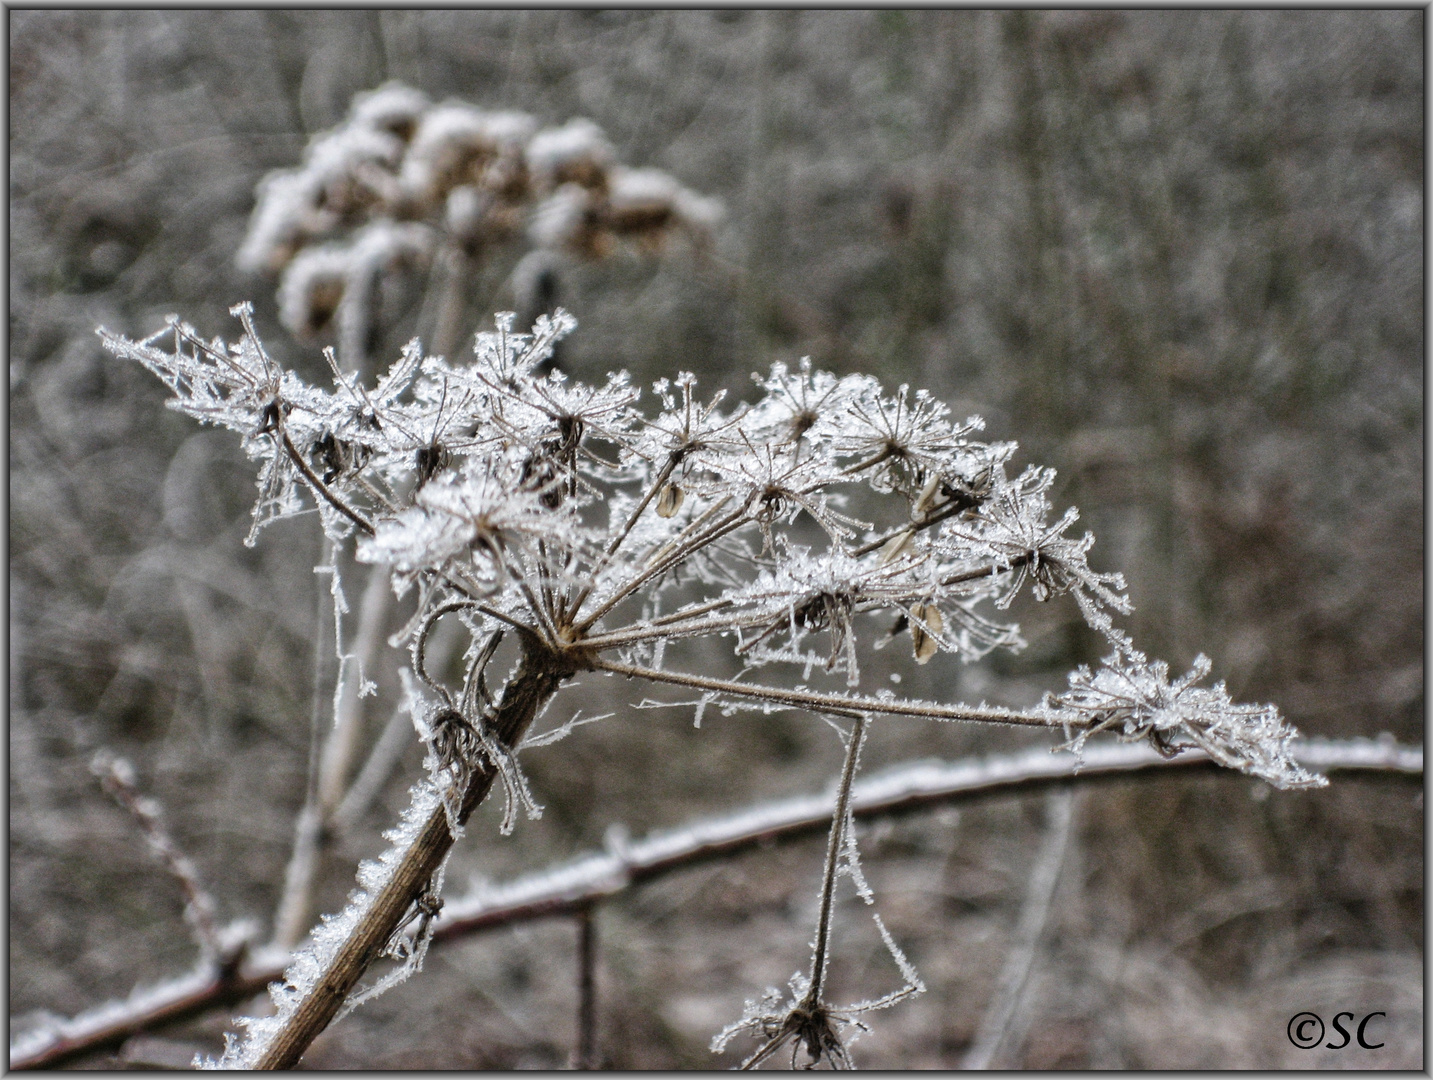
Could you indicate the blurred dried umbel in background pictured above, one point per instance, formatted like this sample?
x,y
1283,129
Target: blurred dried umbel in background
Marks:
x,y
401,182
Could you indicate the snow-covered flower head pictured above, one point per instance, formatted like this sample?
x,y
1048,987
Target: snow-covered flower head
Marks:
x,y
566,510
456,178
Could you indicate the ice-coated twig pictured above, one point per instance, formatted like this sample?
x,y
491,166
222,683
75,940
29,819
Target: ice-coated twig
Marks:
x,y
323,974
590,878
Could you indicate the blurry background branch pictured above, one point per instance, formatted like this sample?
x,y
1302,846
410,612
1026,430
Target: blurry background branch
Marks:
x,y
576,886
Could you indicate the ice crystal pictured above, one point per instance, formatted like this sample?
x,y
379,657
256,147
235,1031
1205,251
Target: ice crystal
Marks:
x,y
1136,699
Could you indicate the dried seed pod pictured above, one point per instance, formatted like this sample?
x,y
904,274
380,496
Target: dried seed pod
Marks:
x,y
670,500
930,497
431,460
897,546
926,622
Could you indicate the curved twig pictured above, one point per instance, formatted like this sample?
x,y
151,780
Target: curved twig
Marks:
x,y
566,888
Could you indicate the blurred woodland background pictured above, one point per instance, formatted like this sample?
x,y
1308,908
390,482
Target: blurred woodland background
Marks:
x,y
1177,255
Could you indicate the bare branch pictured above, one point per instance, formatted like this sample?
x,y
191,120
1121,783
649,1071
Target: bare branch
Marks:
x,y
117,776
591,878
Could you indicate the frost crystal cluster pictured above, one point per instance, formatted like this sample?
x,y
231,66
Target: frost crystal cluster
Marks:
x,y
829,517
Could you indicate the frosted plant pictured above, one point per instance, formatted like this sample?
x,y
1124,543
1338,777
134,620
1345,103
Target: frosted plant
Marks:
x,y
1135,698
806,1020
599,536
402,181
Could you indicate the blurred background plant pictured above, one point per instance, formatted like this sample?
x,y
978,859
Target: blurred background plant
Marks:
x,y
1177,255
411,186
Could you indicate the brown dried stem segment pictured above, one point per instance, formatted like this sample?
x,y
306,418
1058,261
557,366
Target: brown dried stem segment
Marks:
x,y
811,1023
839,823
537,679
586,1058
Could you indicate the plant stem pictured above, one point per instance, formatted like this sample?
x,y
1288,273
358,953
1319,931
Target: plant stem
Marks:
x,y
662,476
319,486
537,679
586,1057
835,704
292,913
839,820
667,561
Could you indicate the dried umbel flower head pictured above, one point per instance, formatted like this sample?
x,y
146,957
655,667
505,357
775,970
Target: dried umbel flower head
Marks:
x,y
399,165
481,482
456,144
575,153
329,280
602,536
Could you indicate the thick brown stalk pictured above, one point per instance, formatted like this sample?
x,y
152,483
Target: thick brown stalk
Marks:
x,y
538,678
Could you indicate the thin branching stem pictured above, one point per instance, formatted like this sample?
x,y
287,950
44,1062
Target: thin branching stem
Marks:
x,y
731,522
831,704
987,571
117,777
671,632
689,530
364,525
672,461
926,522
839,821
